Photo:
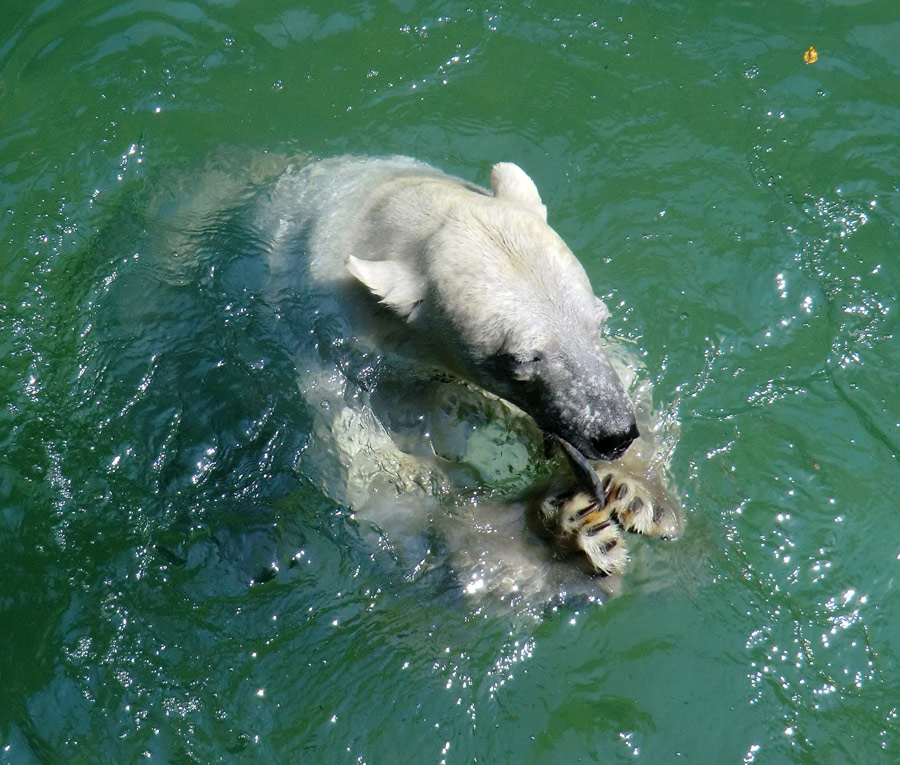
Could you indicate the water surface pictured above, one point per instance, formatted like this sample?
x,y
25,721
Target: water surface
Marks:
x,y
172,586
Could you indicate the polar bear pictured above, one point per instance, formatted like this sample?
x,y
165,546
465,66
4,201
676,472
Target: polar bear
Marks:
x,y
406,282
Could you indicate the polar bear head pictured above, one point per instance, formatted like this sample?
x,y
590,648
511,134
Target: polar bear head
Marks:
x,y
504,302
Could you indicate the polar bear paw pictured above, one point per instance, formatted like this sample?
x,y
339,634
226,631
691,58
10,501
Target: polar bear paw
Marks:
x,y
590,526
594,525
633,506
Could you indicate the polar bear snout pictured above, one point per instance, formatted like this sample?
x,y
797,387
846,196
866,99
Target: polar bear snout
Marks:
x,y
585,403
570,391
613,445
606,436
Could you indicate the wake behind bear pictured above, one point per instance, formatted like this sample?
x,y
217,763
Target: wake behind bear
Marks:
x,y
442,334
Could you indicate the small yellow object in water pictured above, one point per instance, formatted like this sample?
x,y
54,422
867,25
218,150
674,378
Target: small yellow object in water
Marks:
x,y
810,56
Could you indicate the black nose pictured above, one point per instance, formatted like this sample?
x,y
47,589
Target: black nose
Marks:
x,y
613,446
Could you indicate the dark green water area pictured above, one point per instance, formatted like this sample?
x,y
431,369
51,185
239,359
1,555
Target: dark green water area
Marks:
x,y
174,587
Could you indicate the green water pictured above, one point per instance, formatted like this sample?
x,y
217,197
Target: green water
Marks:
x,y
739,210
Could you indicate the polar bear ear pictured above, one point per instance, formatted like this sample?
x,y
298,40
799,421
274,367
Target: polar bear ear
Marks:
x,y
511,183
398,286
602,313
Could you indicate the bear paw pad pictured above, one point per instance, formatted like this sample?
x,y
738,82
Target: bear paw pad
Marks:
x,y
632,505
593,530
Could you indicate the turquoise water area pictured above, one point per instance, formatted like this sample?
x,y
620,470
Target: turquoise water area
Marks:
x,y
174,587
